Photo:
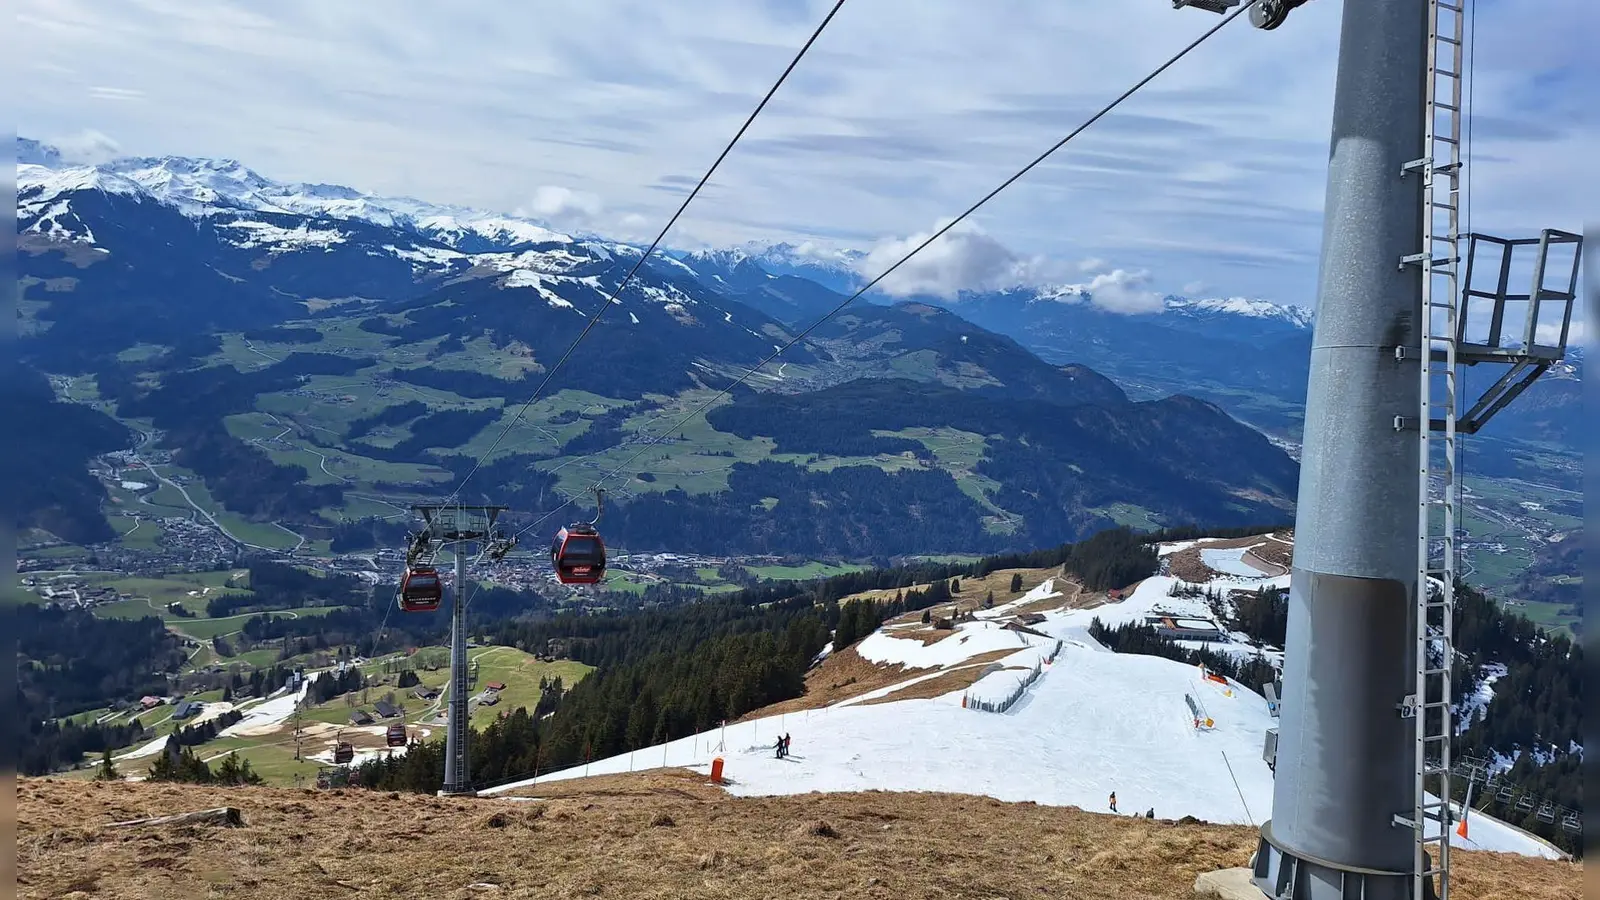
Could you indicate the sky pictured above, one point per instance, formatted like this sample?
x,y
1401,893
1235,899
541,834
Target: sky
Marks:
x,y
599,115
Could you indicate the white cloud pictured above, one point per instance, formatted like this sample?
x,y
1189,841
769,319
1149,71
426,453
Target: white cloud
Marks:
x,y
962,259
1124,292
1549,332
563,206
86,147
1214,172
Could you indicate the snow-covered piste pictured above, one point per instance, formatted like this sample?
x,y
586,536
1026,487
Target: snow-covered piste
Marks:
x,y
1092,723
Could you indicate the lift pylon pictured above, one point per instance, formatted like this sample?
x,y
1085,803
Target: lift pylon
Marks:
x,y
458,528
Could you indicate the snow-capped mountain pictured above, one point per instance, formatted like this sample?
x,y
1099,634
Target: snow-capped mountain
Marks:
x,y
1298,316
833,269
203,188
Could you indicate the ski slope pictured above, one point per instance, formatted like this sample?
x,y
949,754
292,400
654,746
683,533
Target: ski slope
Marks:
x,y
1094,722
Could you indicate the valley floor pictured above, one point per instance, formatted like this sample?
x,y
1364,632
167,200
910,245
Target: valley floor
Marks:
x,y
661,835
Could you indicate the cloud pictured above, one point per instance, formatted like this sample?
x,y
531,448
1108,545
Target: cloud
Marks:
x,y
1215,172
966,259
962,259
562,206
1121,291
1549,332
86,147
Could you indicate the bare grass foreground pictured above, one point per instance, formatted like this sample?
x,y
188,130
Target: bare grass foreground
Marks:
x,y
639,837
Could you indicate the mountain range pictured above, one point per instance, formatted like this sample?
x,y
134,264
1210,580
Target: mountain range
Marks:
x,y
203,297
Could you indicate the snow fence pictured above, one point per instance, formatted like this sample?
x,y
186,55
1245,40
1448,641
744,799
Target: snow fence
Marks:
x,y
981,696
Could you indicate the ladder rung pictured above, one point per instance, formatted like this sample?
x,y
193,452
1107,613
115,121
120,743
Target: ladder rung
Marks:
x,y
1447,40
1434,671
1448,73
1449,206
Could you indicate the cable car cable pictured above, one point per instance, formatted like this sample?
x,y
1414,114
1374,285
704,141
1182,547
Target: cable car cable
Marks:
x,y
914,251
612,299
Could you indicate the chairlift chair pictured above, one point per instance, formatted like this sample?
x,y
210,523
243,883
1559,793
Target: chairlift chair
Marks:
x,y
1571,824
1525,803
1547,813
1507,793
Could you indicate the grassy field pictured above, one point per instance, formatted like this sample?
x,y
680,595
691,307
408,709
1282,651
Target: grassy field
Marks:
x,y
687,458
191,591
519,671
1132,516
200,628
803,573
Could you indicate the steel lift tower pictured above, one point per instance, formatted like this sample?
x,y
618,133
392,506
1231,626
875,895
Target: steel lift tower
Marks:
x,y
458,528
1362,762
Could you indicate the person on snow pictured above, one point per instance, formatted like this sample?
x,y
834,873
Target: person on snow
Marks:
x,y
786,743
778,747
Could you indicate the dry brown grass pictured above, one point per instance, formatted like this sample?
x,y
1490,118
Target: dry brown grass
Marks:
x,y
974,590
957,679
640,838
842,675
847,674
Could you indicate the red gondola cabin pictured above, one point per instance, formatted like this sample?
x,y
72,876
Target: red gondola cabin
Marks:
x,y
343,753
579,555
396,736
421,590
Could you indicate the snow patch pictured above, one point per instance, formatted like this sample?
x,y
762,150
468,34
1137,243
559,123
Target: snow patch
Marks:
x,y
278,238
523,278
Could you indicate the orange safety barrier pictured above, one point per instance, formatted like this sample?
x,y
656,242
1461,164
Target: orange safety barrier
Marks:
x,y
716,770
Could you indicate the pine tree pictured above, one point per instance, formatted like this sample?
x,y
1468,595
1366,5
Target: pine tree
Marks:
x,y
988,601
927,616
955,585
108,769
1016,583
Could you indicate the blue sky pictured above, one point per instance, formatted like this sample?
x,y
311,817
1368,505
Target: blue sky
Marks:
x,y
599,114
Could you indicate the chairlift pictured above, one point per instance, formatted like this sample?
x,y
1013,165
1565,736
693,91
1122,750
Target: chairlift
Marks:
x,y
396,736
1547,813
1570,823
1525,803
578,553
1507,793
421,589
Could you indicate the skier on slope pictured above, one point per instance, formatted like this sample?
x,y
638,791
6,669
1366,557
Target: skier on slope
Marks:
x,y
786,743
778,747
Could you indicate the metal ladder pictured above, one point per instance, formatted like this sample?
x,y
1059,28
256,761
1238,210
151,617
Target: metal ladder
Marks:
x,y
1439,478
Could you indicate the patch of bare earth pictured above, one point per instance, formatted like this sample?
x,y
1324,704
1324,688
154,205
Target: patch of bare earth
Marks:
x,y
1271,556
844,674
1278,550
638,838
974,591
957,679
